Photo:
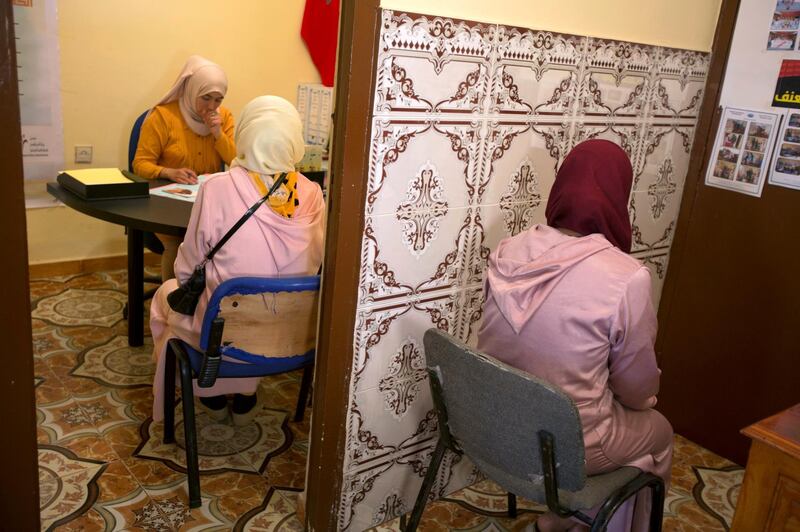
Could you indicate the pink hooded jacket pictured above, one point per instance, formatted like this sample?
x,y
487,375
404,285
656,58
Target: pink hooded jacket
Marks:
x,y
576,312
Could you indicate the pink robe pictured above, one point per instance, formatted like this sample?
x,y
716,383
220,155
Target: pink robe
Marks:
x,y
266,245
577,312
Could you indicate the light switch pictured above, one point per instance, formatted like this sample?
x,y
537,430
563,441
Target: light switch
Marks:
x,y
83,154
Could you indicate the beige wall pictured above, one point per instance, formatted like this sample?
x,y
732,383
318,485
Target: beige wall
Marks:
x,y
688,24
120,56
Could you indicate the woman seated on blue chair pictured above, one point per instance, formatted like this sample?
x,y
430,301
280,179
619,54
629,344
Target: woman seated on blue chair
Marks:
x,y
283,238
565,302
186,134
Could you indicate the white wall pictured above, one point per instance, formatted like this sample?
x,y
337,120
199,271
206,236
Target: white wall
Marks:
x,y
687,24
752,71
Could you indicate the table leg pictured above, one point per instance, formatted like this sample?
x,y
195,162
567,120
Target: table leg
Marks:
x,y
135,287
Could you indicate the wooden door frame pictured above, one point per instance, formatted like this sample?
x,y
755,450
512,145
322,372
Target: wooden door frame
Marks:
x,y
705,133
19,505
359,29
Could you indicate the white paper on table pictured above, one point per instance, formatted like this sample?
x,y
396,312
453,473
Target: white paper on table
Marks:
x,y
180,191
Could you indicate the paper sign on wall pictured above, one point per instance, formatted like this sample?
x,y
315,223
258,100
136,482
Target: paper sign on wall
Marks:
x,y
785,26
786,161
741,150
787,89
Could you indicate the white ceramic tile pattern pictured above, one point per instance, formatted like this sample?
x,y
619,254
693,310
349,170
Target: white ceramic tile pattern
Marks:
x,y
470,123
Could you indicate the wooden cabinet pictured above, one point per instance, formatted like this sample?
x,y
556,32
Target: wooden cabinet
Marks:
x,y
770,496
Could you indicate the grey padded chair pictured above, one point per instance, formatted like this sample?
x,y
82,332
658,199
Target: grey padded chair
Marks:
x,y
522,433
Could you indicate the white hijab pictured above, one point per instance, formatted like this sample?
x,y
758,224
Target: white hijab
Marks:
x,y
198,78
269,137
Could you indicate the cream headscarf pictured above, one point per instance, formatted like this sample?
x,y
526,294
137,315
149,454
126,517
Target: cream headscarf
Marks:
x,y
269,138
198,77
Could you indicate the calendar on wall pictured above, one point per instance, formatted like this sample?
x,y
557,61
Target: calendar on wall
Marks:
x,y
315,105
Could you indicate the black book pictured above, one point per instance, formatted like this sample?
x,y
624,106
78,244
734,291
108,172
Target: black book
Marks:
x,y
102,187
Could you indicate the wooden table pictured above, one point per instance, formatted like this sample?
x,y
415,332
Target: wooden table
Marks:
x,y
155,214
770,496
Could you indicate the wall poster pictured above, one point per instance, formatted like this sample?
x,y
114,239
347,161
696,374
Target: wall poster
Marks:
x,y
42,132
786,161
784,26
787,89
741,150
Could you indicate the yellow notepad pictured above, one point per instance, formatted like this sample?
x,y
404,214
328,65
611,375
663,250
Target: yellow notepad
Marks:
x,y
98,176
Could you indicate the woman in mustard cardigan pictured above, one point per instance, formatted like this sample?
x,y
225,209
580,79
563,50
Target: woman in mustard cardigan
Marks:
x,y
186,134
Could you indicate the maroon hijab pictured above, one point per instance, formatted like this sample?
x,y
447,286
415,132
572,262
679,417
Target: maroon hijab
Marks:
x,y
591,192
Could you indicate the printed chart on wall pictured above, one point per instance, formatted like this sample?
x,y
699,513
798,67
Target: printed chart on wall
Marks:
x,y
786,161
785,26
36,29
741,150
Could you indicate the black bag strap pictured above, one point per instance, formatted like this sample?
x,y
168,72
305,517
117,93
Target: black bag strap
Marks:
x,y
278,182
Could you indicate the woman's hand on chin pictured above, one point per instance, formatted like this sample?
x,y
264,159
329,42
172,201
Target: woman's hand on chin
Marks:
x,y
214,122
185,176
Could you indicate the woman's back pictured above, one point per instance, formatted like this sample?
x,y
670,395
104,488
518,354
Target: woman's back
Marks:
x,y
562,308
267,244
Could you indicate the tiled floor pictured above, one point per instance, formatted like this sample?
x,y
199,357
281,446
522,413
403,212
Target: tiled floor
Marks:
x,y
102,465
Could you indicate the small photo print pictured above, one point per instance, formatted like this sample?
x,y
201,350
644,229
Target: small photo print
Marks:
x,y
790,150
787,5
179,192
728,155
755,144
792,135
724,170
748,175
785,21
794,120
781,40
787,166
760,130
735,126
751,158
732,140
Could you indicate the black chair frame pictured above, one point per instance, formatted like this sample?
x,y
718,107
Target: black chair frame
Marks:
x,y
547,453
176,353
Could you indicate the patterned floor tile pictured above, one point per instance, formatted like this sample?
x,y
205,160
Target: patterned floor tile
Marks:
x,y
67,485
64,420
717,491
222,445
234,504
278,512
118,365
172,502
74,306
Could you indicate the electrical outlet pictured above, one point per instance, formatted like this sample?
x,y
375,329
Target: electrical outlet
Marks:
x,y
83,154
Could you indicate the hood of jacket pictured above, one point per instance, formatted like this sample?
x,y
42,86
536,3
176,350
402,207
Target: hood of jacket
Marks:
x,y
524,269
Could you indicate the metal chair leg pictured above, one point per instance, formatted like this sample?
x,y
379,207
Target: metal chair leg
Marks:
x,y
613,503
512,505
305,386
657,506
169,395
425,489
190,433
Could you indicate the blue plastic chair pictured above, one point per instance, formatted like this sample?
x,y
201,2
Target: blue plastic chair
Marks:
x,y
150,240
268,325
